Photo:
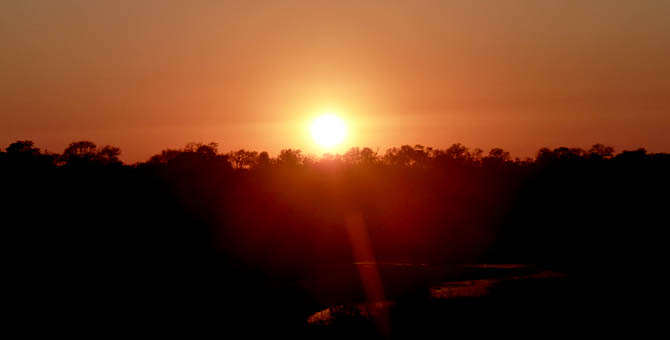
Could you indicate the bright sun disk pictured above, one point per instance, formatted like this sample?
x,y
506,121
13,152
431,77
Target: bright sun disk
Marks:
x,y
328,130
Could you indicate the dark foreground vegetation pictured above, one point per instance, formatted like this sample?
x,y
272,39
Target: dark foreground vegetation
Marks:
x,y
243,241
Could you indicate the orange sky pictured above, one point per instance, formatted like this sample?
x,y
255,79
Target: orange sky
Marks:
x,y
148,75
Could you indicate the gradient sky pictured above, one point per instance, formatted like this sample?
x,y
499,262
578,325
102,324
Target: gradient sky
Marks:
x,y
148,75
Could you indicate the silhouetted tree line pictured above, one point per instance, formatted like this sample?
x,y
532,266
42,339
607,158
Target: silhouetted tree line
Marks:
x,y
195,226
86,153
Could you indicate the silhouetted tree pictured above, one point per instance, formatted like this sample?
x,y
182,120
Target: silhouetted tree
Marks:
x,y
208,151
79,153
456,155
86,152
545,156
263,160
356,156
457,152
290,157
497,157
25,154
638,155
568,154
164,157
405,156
243,159
109,154
599,152
24,147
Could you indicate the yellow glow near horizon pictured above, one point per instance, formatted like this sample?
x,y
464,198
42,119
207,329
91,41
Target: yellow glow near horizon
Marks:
x,y
328,130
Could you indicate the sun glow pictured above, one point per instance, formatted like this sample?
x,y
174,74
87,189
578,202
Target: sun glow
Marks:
x,y
328,130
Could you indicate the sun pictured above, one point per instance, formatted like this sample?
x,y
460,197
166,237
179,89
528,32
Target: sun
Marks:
x,y
328,130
